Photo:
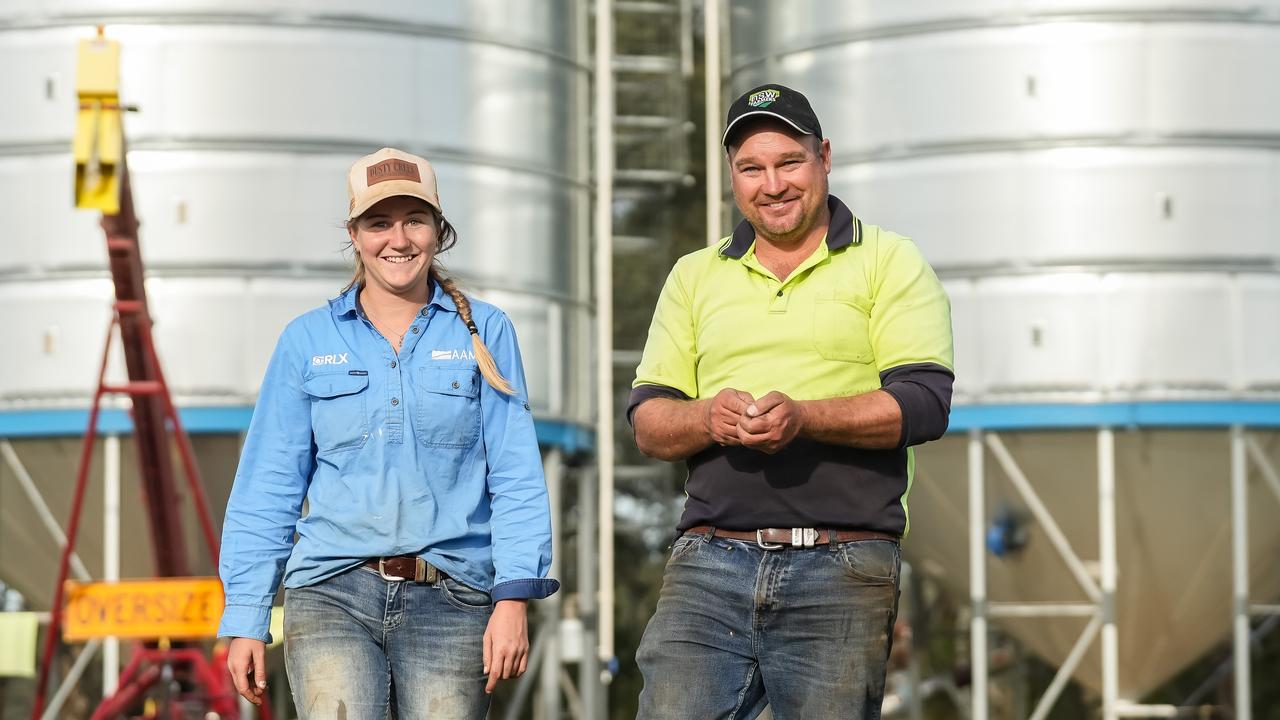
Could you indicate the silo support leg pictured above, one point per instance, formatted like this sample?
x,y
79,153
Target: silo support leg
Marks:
x,y
1107,552
589,685
977,578
548,707
111,470
1240,572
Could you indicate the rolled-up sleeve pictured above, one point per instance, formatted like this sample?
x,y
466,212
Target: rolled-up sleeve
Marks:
x,y
911,339
923,392
266,498
521,515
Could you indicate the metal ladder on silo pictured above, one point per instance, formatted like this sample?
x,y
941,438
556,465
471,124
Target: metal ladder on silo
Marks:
x,y
653,154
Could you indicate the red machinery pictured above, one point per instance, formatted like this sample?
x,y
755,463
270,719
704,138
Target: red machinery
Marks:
x,y
156,424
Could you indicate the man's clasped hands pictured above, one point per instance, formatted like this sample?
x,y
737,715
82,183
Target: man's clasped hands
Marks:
x,y
767,424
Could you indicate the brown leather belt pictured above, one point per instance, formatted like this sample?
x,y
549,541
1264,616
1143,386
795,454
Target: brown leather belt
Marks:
x,y
777,538
405,567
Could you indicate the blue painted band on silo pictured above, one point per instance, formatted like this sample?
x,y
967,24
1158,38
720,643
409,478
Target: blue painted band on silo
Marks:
x,y
1059,416
71,422
574,438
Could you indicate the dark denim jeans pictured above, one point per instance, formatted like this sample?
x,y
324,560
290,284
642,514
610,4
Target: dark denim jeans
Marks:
x,y
357,647
806,631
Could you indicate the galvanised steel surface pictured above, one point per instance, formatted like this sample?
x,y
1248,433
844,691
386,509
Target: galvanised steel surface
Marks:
x,y
1101,141
250,113
1098,184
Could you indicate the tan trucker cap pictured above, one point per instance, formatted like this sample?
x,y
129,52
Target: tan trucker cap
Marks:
x,y
387,173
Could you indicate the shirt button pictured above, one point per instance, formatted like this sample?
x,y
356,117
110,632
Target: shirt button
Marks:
x,y
415,329
779,293
455,384
423,313
393,363
395,402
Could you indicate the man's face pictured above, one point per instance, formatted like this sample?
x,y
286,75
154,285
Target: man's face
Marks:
x,y
780,180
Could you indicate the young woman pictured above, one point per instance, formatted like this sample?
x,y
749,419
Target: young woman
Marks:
x,y
399,413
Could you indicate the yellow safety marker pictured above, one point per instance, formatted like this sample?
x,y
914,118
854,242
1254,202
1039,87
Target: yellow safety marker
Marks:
x,y
98,145
177,608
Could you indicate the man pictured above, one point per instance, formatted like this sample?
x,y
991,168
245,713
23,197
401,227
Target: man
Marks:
x,y
792,367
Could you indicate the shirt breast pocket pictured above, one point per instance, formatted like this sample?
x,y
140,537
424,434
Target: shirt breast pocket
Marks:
x,y
339,413
448,405
842,331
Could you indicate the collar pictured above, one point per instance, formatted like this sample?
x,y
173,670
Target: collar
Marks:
x,y
441,299
843,230
347,303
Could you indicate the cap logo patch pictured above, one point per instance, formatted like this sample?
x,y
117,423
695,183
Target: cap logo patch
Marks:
x,y
393,169
764,98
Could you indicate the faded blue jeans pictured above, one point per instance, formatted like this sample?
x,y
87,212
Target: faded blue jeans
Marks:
x,y
806,631
359,647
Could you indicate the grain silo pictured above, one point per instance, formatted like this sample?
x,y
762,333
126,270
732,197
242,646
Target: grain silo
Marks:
x,y
249,114
1098,185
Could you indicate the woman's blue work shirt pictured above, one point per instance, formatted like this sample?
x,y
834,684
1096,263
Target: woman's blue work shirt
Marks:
x,y
408,454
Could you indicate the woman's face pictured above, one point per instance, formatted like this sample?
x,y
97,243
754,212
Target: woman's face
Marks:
x,y
397,240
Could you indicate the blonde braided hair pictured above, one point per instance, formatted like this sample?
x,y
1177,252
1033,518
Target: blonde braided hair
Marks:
x,y
447,236
488,368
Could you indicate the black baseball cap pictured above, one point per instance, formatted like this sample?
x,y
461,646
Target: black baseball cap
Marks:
x,y
776,101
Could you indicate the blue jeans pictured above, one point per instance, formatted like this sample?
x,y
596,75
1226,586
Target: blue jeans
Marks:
x,y
357,647
804,630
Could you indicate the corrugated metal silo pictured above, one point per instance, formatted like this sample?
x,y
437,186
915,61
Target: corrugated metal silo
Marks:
x,y
250,113
1098,184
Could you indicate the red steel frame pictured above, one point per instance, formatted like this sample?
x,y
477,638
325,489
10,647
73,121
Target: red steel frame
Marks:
x,y
152,406
145,669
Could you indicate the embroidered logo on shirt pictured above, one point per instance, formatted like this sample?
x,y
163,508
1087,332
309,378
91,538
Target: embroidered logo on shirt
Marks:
x,y
452,355
339,359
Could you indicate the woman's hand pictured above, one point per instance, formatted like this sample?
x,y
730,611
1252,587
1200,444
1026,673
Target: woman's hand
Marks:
x,y
506,642
246,657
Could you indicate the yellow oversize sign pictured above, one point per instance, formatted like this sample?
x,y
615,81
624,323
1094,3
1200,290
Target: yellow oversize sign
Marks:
x,y
178,608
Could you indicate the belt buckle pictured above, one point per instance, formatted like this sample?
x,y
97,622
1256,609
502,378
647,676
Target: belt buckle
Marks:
x,y
803,537
382,571
767,545
425,572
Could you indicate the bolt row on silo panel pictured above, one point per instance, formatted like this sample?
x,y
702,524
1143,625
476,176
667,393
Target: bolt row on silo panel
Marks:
x,y
1077,205
1061,81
